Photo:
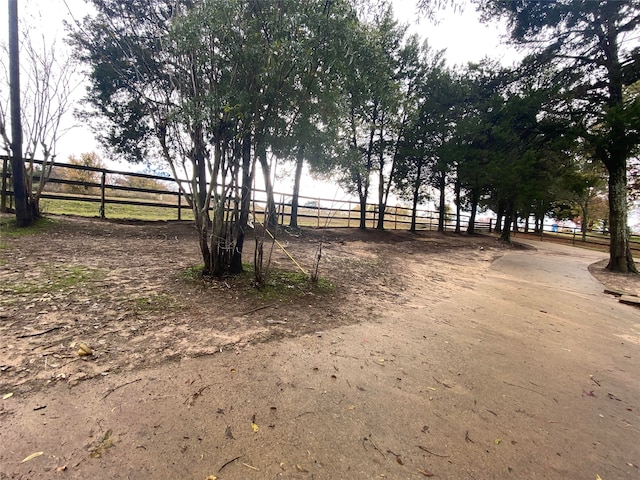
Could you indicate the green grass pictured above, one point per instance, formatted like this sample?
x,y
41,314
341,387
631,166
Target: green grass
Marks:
x,y
9,228
112,211
55,278
280,285
153,303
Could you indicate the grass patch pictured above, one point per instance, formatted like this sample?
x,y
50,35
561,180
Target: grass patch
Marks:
x,y
281,284
55,279
153,303
113,211
9,228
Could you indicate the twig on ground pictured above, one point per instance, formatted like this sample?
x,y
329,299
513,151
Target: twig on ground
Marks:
x,y
432,453
229,462
442,383
111,390
257,309
520,386
28,335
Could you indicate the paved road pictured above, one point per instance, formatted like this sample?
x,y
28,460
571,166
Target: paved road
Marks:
x,y
530,373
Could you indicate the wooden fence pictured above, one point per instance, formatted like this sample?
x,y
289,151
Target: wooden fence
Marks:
x,y
103,188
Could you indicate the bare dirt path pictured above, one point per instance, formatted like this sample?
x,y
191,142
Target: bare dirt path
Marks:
x,y
516,368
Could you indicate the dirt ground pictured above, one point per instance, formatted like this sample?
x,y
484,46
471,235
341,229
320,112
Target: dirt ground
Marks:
x,y
193,379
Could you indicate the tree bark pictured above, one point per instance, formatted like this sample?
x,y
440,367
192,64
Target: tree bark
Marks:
x,y
457,188
272,213
471,227
620,258
416,197
505,235
245,204
293,221
442,181
24,211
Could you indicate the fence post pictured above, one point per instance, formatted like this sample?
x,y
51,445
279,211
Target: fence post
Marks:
x,y
318,207
574,237
179,205
103,182
349,215
395,219
490,225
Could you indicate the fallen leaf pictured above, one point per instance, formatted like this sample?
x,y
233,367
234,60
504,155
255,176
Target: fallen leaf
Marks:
x,y
255,427
426,473
352,407
497,441
301,470
589,393
106,443
7,395
228,434
32,456
211,477
598,477
61,468
84,350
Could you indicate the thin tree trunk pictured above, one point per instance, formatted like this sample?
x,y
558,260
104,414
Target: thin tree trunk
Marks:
x,y
499,215
471,227
272,214
505,235
24,212
293,221
245,204
416,197
457,188
442,181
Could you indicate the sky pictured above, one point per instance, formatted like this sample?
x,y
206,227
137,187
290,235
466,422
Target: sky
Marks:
x,y
460,34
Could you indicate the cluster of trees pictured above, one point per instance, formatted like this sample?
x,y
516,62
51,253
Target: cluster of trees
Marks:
x,y
217,88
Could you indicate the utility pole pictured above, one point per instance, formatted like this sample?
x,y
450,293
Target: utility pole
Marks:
x,y
24,212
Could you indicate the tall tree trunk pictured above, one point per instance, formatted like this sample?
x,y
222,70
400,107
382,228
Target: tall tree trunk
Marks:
x,y
382,206
585,219
442,182
272,213
200,204
618,149
293,221
416,197
24,211
505,235
245,204
499,215
620,258
457,188
475,198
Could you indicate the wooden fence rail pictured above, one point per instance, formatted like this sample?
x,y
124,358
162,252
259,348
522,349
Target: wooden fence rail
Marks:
x,y
102,187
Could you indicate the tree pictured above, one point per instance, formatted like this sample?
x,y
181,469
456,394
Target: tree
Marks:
x,y
587,40
371,105
210,86
47,86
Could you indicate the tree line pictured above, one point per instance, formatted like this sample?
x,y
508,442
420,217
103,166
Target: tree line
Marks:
x,y
217,88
